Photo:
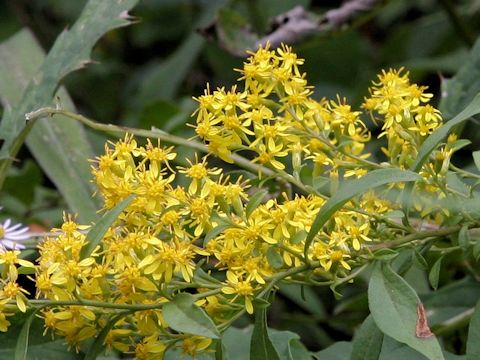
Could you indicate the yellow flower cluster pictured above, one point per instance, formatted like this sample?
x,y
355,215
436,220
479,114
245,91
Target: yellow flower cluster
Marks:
x,y
407,118
275,117
158,244
214,238
10,289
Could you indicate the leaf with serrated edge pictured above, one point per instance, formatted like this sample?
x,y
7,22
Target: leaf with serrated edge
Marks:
x,y
70,52
393,305
353,188
59,145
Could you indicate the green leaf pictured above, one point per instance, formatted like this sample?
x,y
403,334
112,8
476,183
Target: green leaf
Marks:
x,y
96,233
51,141
341,350
70,52
201,277
176,67
39,347
459,90
288,345
233,33
393,350
183,315
26,270
476,249
237,347
434,273
431,143
274,258
454,182
420,260
217,230
438,135
352,188
261,346
236,342
385,254
367,342
22,343
476,158
298,237
310,301
98,346
255,200
393,305
451,300
473,341
219,350
464,238
459,144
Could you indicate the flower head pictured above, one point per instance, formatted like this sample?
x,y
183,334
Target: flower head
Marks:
x,y
11,233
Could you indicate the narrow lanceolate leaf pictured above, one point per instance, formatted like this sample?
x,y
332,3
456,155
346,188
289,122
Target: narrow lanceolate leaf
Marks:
x,y
182,315
434,274
352,188
96,233
368,341
70,52
217,230
261,347
476,158
464,238
21,348
393,305
255,200
59,145
97,346
473,341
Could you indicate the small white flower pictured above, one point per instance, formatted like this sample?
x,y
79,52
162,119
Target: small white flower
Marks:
x,y
11,233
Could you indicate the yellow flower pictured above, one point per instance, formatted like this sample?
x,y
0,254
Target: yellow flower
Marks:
x,y
238,286
11,290
193,345
10,259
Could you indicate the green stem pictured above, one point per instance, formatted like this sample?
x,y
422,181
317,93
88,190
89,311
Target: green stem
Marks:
x,y
273,280
13,151
458,321
416,236
177,140
230,321
464,172
155,133
207,293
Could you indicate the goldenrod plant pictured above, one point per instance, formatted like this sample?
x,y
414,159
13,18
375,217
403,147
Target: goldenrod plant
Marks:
x,y
172,266
286,190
